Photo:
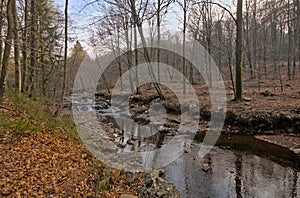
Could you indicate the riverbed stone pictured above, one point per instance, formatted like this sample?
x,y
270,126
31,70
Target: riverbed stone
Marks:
x,y
130,142
164,129
156,186
205,167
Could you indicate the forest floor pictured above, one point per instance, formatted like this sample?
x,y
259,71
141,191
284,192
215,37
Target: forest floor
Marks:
x,y
41,156
268,108
272,114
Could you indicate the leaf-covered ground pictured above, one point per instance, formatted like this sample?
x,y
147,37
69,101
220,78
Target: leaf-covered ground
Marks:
x,y
44,164
41,156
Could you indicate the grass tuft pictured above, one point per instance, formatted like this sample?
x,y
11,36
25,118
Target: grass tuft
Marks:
x,y
30,115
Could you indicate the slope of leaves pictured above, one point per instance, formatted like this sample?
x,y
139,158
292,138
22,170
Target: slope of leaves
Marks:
x,y
41,157
44,164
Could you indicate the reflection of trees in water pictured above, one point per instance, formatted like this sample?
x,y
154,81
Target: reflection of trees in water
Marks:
x,y
294,187
238,174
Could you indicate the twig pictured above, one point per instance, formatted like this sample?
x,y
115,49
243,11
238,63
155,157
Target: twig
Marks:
x,y
6,108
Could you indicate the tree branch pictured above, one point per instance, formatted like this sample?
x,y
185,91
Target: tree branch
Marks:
x,y
88,4
221,6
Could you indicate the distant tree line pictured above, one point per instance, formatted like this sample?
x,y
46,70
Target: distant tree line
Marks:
x,y
255,39
250,38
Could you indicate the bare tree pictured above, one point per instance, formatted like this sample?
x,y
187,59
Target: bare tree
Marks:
x,y
8,44
229,27
289,73
24,46
162,6
248,47
33,53
18,72
66,48
254,35
239,51
184,6
2,4
138,22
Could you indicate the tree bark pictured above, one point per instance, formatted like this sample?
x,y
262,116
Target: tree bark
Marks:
x,y
158,38
183,45
1,27
136,56
298,21
66,48
289,42
119,58
129,51
24,47
255,40
239,51
65,59
33,54
248,41
18,76
7,48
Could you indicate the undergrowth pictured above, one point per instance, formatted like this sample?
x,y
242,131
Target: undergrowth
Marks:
x,y
20,114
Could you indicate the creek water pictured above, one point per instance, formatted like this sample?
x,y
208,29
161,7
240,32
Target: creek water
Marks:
x,y
237,166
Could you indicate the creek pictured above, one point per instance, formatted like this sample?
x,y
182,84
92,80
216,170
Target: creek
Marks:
x,y
237,166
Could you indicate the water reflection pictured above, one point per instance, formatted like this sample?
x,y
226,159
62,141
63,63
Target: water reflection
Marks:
x,y
232,174
133,136
244,172
238,175
240,170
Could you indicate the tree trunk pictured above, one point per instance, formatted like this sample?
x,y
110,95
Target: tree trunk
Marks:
x,y
129,51
209,41
66,49
7,48
298,21
265,52
289,42
220,40
183,45
297,5
136,56
239,51
295,37
65,59
18,76
255,41
119,58
229,49
1,27
33,56
274,43
248,42
158,39
24,47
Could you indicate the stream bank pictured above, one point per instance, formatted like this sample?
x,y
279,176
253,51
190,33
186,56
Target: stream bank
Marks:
x,y
241,118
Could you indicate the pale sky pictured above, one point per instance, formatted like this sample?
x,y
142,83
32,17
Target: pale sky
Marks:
x,y
81,15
